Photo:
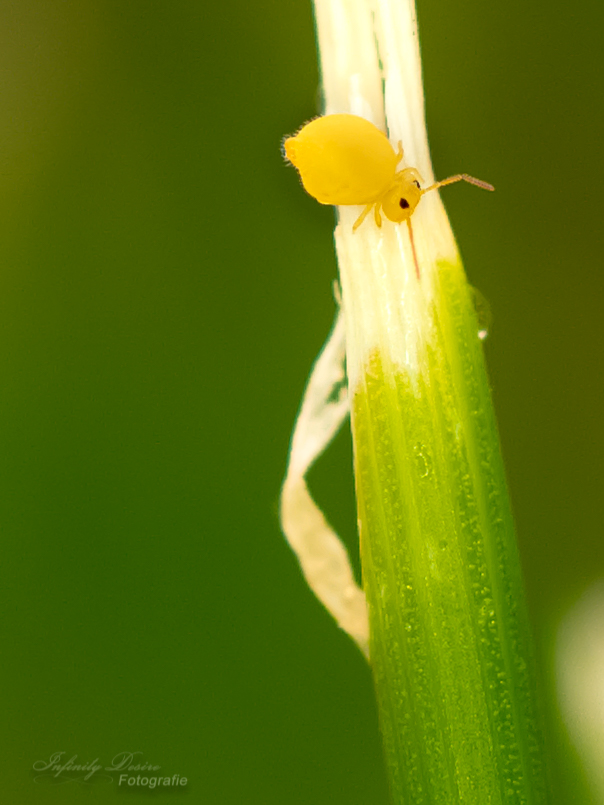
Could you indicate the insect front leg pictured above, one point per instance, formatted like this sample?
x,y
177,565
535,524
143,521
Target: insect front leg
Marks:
x,y
362,217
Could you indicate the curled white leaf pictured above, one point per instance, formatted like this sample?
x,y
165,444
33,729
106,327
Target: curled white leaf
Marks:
x,y
322,556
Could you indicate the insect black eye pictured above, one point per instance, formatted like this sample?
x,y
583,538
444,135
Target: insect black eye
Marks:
x,y
416,183
403,204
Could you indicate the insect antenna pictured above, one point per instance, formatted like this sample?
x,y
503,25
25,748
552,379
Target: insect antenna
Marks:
x,y
460,177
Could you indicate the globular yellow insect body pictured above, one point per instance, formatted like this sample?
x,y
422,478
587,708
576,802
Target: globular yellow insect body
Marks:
x,y
345,160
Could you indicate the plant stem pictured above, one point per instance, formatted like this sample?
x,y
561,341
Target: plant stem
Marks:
x,y
450,641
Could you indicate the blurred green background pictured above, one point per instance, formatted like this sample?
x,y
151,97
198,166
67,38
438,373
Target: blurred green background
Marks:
x,y
164,287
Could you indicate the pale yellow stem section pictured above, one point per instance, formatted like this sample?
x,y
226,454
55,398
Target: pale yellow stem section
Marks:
x,y
370,65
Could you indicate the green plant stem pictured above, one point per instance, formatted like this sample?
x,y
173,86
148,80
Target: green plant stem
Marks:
x,y
450,642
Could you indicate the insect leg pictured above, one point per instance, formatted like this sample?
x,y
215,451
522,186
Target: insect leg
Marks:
x,y
399,153
378,217
362,217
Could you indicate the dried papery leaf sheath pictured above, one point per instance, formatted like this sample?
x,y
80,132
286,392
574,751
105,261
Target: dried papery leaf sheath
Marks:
x,y
322,556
